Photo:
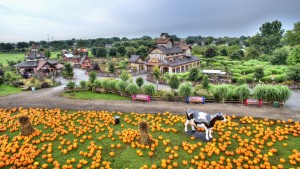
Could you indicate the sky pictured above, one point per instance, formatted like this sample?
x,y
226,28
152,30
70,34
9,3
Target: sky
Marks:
x,y
25,20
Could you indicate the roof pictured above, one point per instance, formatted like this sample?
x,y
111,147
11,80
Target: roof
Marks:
x,y
177,61
35,55
134,58
82,59
163,40
52,62
59,66
41,64
213,72
27,64
184,47
69,55
33,45
173,50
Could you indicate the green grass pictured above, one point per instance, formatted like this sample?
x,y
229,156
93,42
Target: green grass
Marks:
x,y
62,126
11,56
7,90
94,96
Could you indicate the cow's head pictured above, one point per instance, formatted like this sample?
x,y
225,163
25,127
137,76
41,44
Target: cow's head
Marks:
x,y
220,116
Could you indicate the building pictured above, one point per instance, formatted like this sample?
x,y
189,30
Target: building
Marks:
x,y
168,56
36,63
78,57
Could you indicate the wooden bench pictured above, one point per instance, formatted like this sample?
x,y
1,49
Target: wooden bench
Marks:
x,y
257,102
140,97
195,99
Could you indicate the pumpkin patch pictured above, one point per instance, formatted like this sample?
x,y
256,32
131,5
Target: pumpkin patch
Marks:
x,y
91,139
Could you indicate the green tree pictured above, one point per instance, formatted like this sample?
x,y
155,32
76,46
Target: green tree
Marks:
x,y
101,52
269,37
124,75
111,67
121,50
259,73
174,82
193,75
92,76
210,51
142,51
71,85
220,92
294,57
48,54
242,91
279,56
112,51
205,82
292,37
83,84
293,73
139,81
68,71
1,82
185,89
198,50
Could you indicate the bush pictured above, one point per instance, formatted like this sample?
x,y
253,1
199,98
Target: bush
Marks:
x,y
112,85
205,82
174,82
71,85
185,89
283,93
242,91
220,92
280,78
83,84
121,86
241,81
139,81
149,89
105,84
98,83
167,96
92,76
132,89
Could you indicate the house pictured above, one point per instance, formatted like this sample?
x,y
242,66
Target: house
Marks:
x,y
36,63
136,62
169,56
78,57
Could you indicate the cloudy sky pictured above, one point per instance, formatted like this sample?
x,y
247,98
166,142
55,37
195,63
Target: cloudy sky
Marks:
x,y
24,20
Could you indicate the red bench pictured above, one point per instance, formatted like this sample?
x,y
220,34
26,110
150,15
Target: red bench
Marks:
x,y
257,102
195,99
140,97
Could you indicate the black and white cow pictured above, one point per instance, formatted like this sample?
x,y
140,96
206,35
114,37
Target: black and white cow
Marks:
x,y
201,119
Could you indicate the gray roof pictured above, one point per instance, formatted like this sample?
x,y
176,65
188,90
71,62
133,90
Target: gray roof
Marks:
x,y
27,64
52,62
173,50
35,55
178,61
134,58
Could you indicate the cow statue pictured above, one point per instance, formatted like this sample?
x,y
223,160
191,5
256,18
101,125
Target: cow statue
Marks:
x,y
204,120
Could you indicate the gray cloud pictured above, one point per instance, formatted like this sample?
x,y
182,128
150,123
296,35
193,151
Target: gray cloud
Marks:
x,y
33,19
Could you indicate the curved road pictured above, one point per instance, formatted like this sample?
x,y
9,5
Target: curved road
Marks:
x,y
49,98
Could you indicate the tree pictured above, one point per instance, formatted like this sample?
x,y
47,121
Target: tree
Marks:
x,y
139,81
174,82
1,82
292,37
156,74
83,84
96,66
1,72
293,73
111,67
121,50
185,89
48,54
68,71
112,51
101,52
210,52
294,57
259,73
142,51
279,56
124,75
92,76
269,37
193,75
71,85
205,82
223,52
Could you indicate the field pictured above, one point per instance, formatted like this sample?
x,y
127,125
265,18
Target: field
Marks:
x,y
90,139
94,96
11,56
7,90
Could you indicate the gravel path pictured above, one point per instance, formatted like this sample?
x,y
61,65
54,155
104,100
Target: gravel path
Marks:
x,y
49,98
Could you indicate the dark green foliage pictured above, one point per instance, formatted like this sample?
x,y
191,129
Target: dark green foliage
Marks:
x,y
149,89
259,73
210,52
48,54
142,51
185,89
293,73
279,56
205,82
101,52
92,76
111,67
121,50
294,57
1,81
132,89
173,82
292,37
235,56
70,85
68,71
223,52
193,76
139,81
1,72
112,51
241,81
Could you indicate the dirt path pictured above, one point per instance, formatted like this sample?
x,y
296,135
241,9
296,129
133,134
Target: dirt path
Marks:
x,y
49,98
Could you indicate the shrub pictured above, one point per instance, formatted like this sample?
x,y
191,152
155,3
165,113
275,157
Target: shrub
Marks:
x,y
149,89
283,93
220,92
174,82
112,85
92,76
185,89
121,86
132,89
83,84
280,78
242,91
98,83
167,96
124,76
205,82
105,84
71,85
241,81
139,81
272,93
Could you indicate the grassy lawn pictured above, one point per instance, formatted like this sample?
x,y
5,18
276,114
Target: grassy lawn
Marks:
x,y
11,56
7,90
94,96
90,139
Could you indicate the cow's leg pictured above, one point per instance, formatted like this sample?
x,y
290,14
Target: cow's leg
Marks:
x,y
193,128
206,134
209,133
186,124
